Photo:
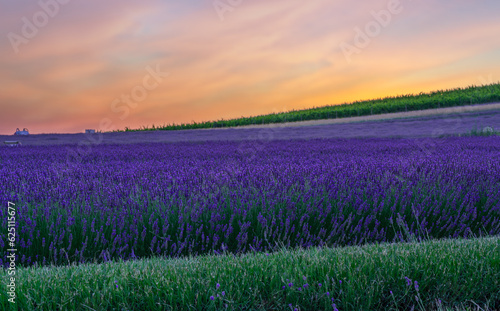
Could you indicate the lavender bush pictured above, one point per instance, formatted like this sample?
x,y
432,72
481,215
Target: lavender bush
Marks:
x,y
142,200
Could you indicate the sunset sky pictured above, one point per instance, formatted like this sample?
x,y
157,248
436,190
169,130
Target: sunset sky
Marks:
x,y
70,65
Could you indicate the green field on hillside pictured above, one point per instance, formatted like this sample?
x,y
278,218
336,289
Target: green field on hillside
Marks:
x,y
411,102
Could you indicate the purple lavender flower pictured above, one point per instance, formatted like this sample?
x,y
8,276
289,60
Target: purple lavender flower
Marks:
x,y
120,220
408,281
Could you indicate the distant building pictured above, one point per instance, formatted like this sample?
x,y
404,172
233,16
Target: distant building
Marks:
x,y
23,132
89,131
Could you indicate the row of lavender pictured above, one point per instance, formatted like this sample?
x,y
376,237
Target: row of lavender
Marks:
x,y
132,201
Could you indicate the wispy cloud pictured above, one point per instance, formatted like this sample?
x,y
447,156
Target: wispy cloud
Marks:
x,y
265,56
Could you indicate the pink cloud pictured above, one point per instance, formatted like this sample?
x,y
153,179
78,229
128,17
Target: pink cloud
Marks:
x,y
265,56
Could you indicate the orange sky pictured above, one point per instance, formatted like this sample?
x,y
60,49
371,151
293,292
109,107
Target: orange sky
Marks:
x,y
67,65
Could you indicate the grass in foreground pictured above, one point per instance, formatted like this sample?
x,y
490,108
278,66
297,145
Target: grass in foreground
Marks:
x,y
434,275
410,102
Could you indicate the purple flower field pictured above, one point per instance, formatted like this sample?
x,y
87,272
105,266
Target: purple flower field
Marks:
x,y
415,127
175,199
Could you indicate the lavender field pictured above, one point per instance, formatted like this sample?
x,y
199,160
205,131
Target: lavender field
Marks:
x,y
414,127
175,199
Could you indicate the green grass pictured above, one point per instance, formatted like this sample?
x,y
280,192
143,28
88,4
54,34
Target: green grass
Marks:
x,y
451,275
410,102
